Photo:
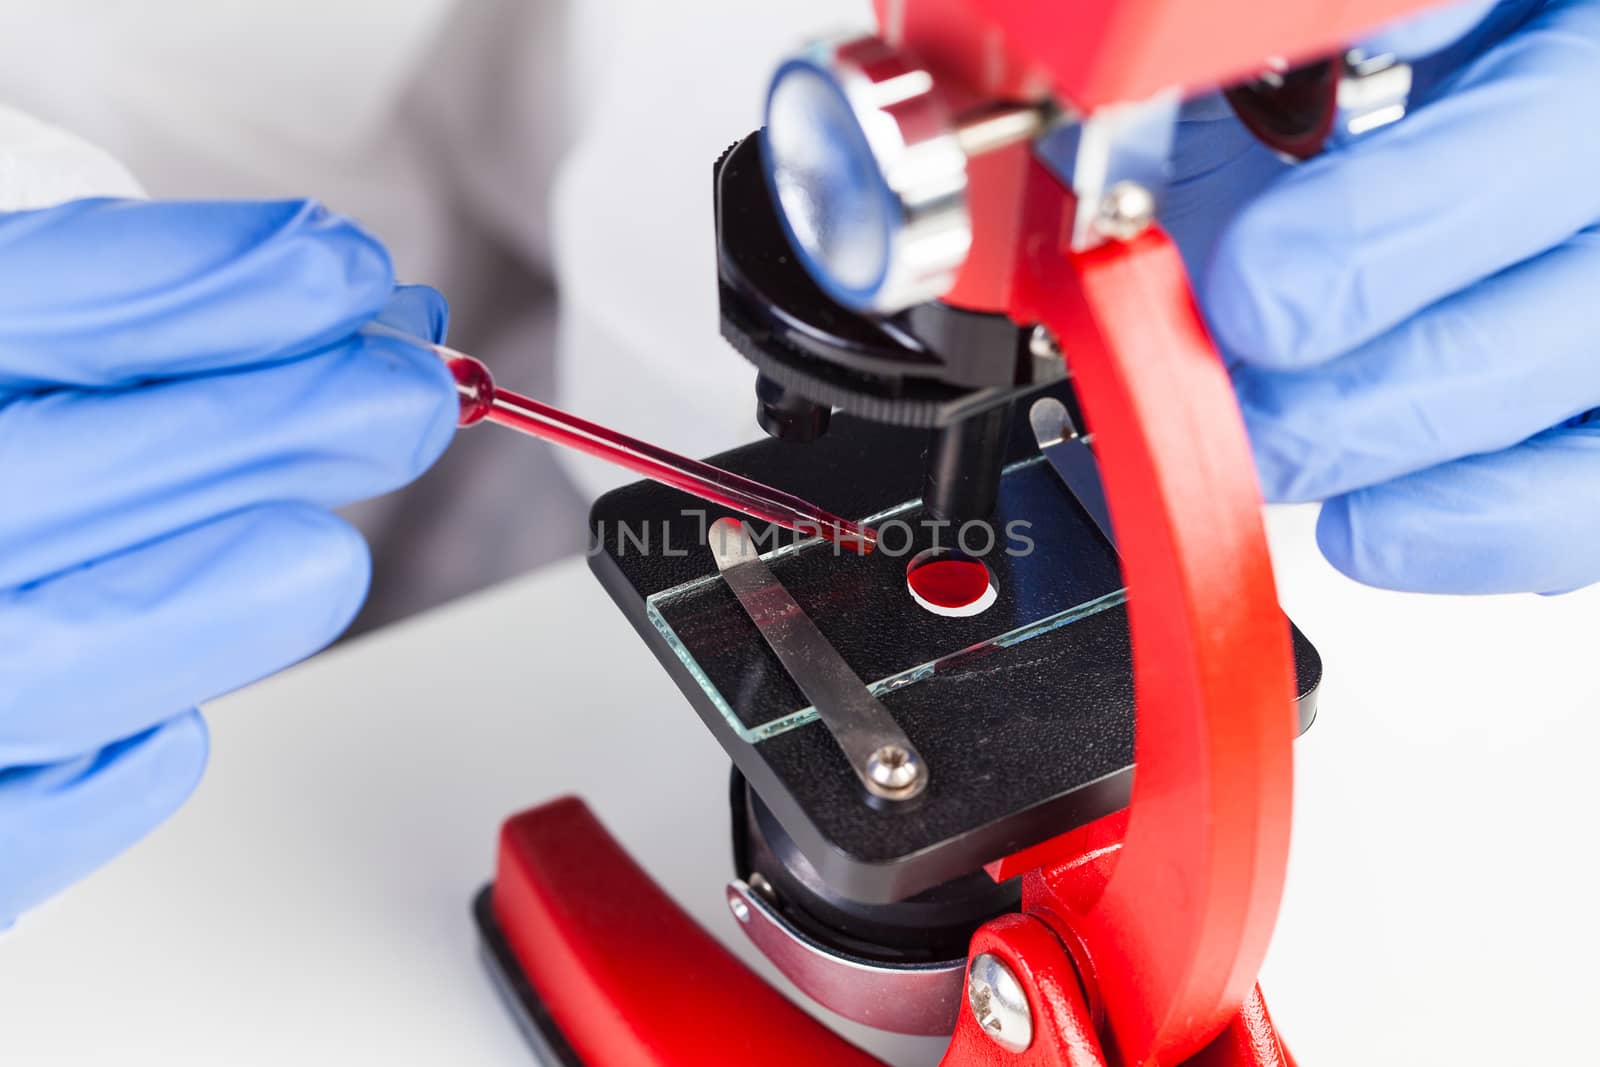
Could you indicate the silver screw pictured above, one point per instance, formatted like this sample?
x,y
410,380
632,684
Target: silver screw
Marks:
x,y
998,1002
893,768
740,909
1126,211
761,887
1042,344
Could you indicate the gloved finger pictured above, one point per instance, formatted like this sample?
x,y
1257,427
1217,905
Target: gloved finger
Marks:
x,y
104,470
1520,520
60,821
1479,372
1420,35
1491,171
108,292
105,651
1217,165
420,310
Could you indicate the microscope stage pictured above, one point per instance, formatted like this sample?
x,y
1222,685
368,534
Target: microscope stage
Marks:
x,y
1022,711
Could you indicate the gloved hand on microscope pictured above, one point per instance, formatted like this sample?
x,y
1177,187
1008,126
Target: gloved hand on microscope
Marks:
x,y
184,391
1411,317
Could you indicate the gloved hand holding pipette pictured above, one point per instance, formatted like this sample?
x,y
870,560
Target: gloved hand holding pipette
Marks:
x,y
184,393
185,389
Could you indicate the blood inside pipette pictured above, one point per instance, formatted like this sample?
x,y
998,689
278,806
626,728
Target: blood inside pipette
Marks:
x,y
481,399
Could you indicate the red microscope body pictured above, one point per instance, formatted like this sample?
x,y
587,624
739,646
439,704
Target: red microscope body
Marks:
x,y
1140,935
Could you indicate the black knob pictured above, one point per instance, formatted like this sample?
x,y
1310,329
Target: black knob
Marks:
x,y
787,415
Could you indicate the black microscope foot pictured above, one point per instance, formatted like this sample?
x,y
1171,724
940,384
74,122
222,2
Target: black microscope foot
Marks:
x,y
549,1046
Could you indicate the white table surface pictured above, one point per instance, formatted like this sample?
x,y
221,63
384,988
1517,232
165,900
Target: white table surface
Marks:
x,y
310,904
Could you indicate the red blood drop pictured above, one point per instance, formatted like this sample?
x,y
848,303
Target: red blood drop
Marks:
x,y
951,582
475,388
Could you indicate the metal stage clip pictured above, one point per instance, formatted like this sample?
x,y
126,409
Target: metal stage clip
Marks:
x,y
878,750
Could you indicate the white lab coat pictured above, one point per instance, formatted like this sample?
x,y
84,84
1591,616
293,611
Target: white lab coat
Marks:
x,y
491,144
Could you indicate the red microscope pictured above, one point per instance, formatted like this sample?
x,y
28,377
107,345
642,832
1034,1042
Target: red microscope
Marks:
x,y
941,254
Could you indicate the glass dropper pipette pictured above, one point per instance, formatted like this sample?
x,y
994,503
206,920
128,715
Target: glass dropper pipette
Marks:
x,y
483,401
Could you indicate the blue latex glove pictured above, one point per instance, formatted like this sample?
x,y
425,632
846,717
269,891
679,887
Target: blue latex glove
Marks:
x,y
183,395
1412,317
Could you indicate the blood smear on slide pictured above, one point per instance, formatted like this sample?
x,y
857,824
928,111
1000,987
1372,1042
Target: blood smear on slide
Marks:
x,y
951,584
